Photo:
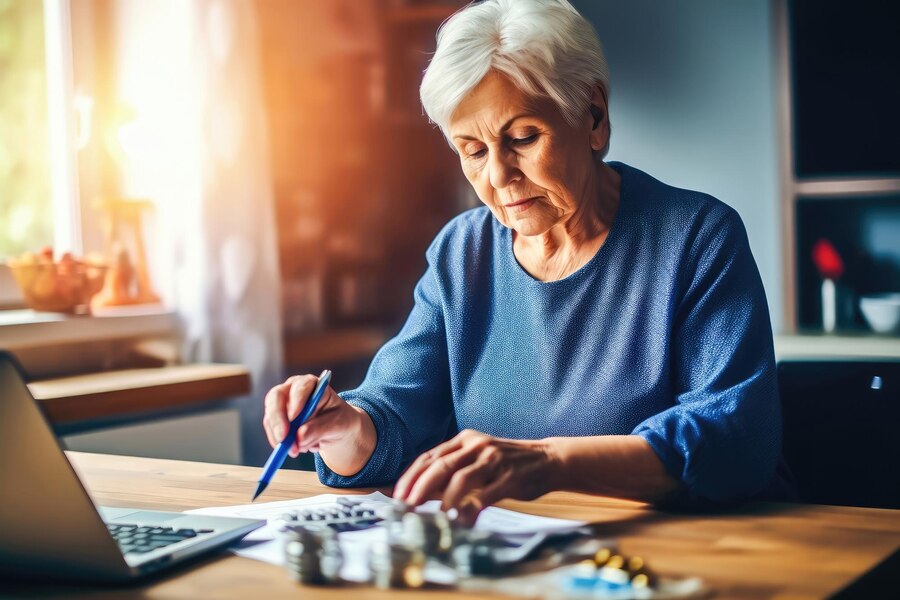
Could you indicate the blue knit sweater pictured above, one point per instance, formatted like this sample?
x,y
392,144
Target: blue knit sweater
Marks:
x,y
664,334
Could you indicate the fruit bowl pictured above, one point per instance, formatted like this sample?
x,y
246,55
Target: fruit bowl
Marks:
x,y
65,285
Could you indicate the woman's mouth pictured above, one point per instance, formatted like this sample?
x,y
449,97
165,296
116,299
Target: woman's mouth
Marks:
x,y
520,205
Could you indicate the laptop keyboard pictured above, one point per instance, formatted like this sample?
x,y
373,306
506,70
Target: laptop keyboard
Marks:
x,y
137,539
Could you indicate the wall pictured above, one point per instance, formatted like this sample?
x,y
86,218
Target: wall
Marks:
x,y
693,104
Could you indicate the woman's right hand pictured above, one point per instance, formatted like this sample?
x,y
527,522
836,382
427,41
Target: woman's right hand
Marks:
x,y
343,434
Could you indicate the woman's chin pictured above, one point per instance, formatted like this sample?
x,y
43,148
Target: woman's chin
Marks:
x,y
529,227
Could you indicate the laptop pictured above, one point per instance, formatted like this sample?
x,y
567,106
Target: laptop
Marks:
x,y
49,525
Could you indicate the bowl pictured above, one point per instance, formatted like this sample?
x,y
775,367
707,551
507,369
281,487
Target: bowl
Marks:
x,y
882,311
66,285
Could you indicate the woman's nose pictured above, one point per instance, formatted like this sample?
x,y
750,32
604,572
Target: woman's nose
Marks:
x,y
503,169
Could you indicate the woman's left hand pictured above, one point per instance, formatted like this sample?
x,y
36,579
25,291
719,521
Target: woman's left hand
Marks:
x,y
474,470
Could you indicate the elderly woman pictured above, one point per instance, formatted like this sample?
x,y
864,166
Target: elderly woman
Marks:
x,y
590,329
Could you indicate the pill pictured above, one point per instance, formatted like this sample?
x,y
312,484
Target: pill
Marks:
x,y
602,556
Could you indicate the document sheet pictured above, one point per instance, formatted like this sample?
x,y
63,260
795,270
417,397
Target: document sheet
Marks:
x,y
265,544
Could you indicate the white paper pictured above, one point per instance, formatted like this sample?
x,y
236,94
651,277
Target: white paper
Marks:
x,y
264,544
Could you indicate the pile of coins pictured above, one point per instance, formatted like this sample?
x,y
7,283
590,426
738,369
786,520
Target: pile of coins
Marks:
x,y
430,532
395,565
610,571
475,554
312,556
412,537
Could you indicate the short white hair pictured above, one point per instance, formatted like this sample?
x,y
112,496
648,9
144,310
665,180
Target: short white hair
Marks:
x,y
544,46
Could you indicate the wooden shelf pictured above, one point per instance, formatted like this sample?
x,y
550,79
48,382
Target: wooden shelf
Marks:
x,y
118,393
29,329
836,347
333,347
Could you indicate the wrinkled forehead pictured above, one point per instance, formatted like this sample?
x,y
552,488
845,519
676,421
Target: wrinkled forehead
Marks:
x,y
492,104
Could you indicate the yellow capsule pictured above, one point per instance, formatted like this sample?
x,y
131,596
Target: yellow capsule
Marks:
x,y
615,562
602,556
635,563
413,576
640,581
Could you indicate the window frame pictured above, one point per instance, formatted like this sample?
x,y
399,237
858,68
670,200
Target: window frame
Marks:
x,y
61,118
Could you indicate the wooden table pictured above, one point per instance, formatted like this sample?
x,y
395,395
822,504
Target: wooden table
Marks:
x,y
777,551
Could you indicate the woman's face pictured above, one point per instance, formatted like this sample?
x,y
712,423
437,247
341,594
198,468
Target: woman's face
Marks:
x,y
527,164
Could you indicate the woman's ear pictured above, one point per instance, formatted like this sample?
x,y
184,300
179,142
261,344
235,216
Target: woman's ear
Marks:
x,y
600,121
598,116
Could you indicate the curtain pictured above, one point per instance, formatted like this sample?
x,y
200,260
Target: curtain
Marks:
x,y
191,73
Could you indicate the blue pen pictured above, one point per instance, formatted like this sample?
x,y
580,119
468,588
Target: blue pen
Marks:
x,y
276,459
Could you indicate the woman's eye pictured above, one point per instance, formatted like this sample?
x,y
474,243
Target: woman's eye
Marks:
x,y
524,141
477,153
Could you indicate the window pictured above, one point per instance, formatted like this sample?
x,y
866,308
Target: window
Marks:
x,y
25,191
39,203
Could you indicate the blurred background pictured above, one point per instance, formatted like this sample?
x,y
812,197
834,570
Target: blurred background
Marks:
x,y
280,183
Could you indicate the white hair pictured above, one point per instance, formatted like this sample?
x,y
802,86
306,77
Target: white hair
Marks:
x,y
544,46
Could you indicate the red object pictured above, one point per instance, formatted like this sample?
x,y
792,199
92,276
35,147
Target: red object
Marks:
x,y
827,260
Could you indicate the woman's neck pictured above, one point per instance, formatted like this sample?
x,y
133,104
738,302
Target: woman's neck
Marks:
x,y
569,245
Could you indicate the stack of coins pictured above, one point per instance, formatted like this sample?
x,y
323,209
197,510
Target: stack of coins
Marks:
x,y
430,533
302,553
473,554
312,556
394,521
395,565
332,557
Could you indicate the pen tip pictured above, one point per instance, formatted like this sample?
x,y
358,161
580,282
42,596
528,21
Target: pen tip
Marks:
x,y
259,490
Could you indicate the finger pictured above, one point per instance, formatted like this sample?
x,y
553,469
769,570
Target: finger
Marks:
x,y
268,402
300,391
294,451
406,481
437,475
326,406
468,479
275,423
476,501
462,484
324,427
266,429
